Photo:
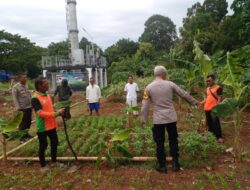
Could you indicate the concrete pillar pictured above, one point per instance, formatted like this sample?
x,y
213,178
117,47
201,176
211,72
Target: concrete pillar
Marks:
x,y
89,72
96,76
44,73
101,78
105,78
53,81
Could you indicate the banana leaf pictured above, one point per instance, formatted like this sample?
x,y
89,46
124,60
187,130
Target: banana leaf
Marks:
x,y
2,123
225,108
123,151
121,135
98,148
13,125
15,135
204,61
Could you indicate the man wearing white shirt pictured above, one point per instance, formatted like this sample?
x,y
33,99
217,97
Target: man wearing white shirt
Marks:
x,y
131,88
93,95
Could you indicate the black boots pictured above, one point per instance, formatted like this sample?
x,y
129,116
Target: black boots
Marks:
x,y
176,165
161,169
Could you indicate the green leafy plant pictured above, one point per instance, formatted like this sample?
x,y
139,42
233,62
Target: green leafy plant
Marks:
x,y
10,131
112,146
195,146
129,110
62,104
231,77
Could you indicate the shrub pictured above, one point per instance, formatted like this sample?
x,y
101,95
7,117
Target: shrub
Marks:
x,y
197,149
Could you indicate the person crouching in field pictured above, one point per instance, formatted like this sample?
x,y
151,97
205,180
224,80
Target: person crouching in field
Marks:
x,y
160,93
213,97
45,121
131,88
93,95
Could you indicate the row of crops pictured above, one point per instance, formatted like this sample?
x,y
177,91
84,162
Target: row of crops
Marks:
x,y
86,132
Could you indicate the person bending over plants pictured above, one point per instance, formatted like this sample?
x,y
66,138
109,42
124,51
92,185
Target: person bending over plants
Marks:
x,y
45,121
160,92
213,97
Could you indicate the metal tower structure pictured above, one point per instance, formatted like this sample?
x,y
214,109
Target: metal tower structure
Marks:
x,y
89,63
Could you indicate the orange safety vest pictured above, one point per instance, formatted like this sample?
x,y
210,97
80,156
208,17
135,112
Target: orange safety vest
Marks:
x,y
211,101
45,118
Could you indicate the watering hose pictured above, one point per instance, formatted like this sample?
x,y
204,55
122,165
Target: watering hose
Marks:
x,y
67,138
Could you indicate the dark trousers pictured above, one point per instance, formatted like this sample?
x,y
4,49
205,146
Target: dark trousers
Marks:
x,y
26,121
159,138
213,124
43,144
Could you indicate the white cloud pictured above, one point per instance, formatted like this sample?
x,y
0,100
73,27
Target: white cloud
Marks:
x,y
106,21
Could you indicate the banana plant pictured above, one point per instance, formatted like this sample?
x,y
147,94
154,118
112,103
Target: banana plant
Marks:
x,y
9,131
112,146
231,76
204,61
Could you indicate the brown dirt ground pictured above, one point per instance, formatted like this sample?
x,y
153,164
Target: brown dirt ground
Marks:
x,y
26,175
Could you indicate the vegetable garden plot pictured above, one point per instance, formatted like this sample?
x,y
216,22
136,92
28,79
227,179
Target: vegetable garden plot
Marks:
x,y
87,132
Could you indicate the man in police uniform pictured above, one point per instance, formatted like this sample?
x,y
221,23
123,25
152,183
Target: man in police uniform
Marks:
x,y
160,93
22,101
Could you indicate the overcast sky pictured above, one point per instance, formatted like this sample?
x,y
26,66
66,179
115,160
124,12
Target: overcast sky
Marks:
x,y
106,21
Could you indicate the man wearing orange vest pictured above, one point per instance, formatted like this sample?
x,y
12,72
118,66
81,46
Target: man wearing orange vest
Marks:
x,y
214,94
45,121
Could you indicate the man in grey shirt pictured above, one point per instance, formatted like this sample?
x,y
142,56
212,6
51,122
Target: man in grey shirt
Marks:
x,y
22,101
160,93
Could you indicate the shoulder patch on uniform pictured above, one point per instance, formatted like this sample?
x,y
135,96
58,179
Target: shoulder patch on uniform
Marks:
x,y
145,95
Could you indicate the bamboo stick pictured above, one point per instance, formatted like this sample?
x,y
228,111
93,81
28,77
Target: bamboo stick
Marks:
x,y
90,158
19,147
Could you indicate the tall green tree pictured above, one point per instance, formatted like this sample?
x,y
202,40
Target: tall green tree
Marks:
x,y
123,49
59,49
159,31
84,42
17,52
203,24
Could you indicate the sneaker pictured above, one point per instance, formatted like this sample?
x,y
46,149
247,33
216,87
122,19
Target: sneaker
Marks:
x,y
44,169
162,169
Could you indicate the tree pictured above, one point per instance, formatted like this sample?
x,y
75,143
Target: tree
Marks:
x,y
123,49
84,43
160,31
216,8
17,52
59,49
203,24
241,10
